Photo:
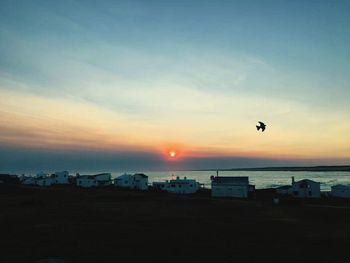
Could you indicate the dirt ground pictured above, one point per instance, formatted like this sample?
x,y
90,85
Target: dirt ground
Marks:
x,y
114,225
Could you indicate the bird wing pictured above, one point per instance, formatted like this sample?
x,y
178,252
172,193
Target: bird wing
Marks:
x,y
262,124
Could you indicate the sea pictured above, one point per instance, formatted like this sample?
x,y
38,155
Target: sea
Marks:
x,y
261,179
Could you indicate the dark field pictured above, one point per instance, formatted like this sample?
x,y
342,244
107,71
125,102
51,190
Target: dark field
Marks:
x,y
110,225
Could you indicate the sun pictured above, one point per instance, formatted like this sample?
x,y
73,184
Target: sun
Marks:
x,y
172,154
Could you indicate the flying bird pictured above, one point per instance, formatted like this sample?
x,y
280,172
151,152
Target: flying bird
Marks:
x,y
262,126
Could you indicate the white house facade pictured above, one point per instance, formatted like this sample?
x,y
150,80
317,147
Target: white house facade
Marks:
x,y
342,191
86,181
28,180
230,186
306,189
137,181
125,180
141,181
103,179
61,177
45,181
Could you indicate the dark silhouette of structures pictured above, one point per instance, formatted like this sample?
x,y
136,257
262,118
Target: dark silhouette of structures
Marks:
x,y
262,126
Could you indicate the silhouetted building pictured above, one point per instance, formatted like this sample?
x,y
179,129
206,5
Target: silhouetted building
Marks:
x,y
61,177
86,181
137,181
178,186
9,179
230,186
342,191
306,189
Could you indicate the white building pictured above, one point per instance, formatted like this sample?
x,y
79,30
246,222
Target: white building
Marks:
x,y
136,181
178,186
45,181
141,181
125,180
339,190
86,181
103,179
61,177
230,186
28,180
306,189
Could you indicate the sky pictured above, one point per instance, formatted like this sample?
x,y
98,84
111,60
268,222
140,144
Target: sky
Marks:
x,y
121,84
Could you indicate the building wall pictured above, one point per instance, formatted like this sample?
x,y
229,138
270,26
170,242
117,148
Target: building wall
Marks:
x,y
61,177
141,182
82,182
125,180
45,181
103,177
342,191
312,190
239,191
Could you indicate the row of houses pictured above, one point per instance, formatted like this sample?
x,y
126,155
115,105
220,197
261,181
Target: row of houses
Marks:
x,y
310,189
221,186
135,181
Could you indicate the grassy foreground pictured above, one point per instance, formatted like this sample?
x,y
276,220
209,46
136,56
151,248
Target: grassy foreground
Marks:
x,y
111,225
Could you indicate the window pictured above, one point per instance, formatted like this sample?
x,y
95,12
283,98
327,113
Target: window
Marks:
x,y
295,193
310,193
191,185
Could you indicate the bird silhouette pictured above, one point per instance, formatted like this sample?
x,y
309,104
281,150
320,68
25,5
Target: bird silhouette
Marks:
x,y
262,126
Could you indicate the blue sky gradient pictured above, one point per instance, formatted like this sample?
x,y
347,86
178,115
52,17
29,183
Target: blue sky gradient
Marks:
x,y
132,75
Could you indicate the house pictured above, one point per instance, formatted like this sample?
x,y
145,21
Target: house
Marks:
x,y
43,179
284,190
28,180
178,186
339,190
86,181
306,189
141,181
137,181
61,177
125,180
103,179
230,186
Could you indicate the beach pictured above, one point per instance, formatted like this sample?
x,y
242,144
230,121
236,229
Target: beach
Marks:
x,y
116,225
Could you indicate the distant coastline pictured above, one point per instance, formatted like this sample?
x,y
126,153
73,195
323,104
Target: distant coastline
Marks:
x,y
336,168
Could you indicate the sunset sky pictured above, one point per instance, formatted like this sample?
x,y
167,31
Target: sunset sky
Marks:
x,y
122,84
